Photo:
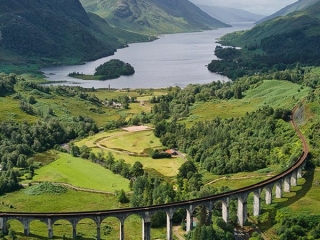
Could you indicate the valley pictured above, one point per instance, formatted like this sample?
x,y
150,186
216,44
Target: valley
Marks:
x,y
216,134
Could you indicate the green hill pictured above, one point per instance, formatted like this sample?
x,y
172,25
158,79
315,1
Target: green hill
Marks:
x,y
275,45
50,32
153,16
297,6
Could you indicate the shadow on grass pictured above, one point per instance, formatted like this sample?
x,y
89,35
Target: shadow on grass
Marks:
x,y
309,176
35,236
271,210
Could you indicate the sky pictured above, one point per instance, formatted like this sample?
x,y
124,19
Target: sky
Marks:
x,y
264,7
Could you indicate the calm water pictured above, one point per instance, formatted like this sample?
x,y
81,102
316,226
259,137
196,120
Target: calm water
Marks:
x,y
172,60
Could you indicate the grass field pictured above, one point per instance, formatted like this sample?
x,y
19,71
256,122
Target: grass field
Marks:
x,y
10,111
133,142
81,173
66,202
235,181
272,93
304,199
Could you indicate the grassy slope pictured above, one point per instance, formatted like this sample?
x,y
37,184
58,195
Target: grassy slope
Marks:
x,y
135,142
64,107
81,173
273,93
153,17
125,140
306,21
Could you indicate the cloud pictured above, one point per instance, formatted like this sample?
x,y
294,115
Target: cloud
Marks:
x,y
264,7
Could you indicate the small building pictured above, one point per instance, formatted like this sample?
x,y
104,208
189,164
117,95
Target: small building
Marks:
x,y
172,152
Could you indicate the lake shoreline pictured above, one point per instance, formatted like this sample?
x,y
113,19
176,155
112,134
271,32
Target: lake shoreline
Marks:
x,y
171,60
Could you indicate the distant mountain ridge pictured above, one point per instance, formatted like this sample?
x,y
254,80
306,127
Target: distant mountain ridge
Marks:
x,y
297,6
153,16
50,32
230,15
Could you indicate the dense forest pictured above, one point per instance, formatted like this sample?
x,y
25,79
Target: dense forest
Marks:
x,y
275,45
114,69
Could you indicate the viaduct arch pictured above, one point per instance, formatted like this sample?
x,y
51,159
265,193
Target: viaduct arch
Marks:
x,y
281,182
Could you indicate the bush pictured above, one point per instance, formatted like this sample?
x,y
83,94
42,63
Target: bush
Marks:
x,y
157,154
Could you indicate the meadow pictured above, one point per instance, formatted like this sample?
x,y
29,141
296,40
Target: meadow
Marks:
x,y
80,173
273,93
64,106
120,142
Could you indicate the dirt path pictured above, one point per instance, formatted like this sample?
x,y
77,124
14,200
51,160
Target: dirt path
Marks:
x,y
176,233
234,178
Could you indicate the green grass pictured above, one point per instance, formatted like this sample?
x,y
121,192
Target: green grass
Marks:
x,y
166,167
135,142
10,111
66,202
126,141
81,173
272,93
304,199
237,180
86,229
65,108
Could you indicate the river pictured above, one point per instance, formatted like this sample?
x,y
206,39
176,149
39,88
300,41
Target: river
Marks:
x,y
172,60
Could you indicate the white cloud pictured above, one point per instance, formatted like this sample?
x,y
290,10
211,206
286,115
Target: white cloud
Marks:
x,y
264,7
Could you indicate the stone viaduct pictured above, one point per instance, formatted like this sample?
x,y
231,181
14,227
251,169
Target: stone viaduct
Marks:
x,y
275,185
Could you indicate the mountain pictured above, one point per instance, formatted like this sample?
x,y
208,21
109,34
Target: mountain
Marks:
x,y
153,16
297,6
49,32
230,15
282,41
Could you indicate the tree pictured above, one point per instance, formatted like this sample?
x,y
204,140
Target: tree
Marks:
x,y
109,160
238,93
137,169
74,150
32,99
121,196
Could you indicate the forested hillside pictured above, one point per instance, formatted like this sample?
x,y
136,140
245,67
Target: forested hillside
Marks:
x,y
55,32
153,17
297,6
277,44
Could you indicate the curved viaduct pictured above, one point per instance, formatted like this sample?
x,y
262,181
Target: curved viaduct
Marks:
x,y
281,182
